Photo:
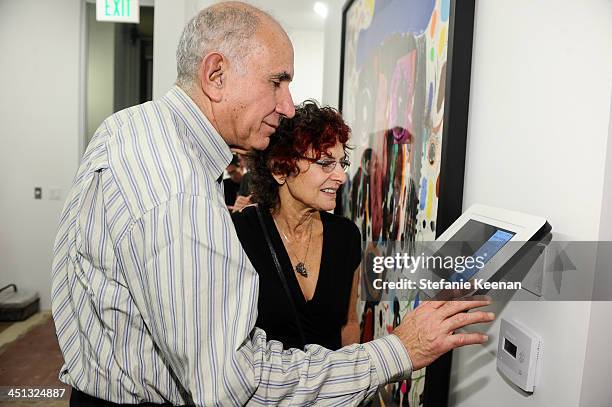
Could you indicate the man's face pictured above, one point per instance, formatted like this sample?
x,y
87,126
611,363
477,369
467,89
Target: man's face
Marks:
x,y
255,101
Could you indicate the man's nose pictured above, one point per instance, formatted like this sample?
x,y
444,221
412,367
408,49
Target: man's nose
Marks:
x,y
284,105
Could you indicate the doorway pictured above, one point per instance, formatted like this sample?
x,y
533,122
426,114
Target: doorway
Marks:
x,y
119,66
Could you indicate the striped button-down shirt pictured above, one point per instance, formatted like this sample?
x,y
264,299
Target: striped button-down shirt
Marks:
x,y
153,297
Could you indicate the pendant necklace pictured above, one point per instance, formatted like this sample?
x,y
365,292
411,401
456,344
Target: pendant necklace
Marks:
x,y
300,268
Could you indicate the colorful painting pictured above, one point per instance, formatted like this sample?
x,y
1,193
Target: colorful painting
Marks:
x,y
409,147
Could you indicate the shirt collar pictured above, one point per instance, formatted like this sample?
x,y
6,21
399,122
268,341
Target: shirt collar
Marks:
x,y
207,139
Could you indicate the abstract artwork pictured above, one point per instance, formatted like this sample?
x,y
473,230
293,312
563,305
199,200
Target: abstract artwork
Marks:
x,y
404,90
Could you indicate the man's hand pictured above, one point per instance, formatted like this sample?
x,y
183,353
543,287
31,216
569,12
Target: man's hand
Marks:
x,y
428,331
238,150
241,202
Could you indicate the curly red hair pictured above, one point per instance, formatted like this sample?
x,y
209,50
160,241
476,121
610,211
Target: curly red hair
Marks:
x,y
313,128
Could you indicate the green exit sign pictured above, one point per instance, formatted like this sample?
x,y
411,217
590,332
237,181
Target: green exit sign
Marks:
x,y
120,11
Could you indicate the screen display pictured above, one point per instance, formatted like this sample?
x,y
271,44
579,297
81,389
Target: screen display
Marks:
x,y
475,239
510,348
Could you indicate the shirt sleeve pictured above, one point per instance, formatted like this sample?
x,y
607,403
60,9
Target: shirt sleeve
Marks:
x,y
197,293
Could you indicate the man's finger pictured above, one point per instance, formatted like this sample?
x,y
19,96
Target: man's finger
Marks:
x,y
238,150
454,294
480,298
454,307
434,304
466,318
463,339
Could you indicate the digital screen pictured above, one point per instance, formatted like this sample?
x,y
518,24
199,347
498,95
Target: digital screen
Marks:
x,y
510,348
475,239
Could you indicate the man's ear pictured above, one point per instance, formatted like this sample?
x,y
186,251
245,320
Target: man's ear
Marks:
x,y
212,75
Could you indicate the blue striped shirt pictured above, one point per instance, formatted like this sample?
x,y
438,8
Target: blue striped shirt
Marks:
x,y
154,299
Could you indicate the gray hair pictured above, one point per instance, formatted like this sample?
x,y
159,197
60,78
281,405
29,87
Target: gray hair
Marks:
x,y
227,28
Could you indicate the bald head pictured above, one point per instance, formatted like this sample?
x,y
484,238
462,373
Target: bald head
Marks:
x,y
229,28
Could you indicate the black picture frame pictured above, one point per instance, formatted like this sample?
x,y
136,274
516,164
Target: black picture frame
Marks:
x,y
452,165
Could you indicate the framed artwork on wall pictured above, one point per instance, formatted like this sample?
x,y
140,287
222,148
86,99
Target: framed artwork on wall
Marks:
x,y
404,90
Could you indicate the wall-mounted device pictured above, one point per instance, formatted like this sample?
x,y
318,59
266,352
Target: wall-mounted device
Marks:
x,y
492,234
519,351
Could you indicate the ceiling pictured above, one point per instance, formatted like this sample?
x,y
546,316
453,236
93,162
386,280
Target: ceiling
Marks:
x,y
293,14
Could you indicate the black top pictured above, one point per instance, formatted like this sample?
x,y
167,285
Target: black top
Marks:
x,y
230,190
325,314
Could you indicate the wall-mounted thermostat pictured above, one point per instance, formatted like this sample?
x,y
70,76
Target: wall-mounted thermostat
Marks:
x,y
518,353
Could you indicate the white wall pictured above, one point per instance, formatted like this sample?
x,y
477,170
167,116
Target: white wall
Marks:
x,y
538,143
539,108
39,113
308,64
167,27
598,360
331,62
595,390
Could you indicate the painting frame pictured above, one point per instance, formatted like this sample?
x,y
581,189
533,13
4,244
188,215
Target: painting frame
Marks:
x,y
453,149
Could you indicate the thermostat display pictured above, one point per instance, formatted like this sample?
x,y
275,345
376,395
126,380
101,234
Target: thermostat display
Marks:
x,y
510,347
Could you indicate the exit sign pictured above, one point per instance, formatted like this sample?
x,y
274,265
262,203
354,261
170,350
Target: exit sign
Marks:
x,y
120,11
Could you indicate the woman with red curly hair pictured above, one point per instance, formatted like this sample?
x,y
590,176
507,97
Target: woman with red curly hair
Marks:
x,y
307,259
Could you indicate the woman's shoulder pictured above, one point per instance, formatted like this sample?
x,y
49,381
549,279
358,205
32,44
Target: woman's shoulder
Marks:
x,y
340,224
247,216
345,242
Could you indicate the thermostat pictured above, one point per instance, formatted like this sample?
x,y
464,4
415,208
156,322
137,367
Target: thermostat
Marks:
x,y
518,353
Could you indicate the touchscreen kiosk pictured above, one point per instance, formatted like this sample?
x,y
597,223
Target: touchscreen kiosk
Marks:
x,y
491,237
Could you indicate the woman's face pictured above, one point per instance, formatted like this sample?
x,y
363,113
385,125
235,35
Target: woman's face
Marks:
x,y
313,187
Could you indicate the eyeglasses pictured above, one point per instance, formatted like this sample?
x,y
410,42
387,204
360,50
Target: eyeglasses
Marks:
x,y
329,164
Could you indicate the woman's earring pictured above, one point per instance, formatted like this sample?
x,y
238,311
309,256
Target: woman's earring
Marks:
x,y
281,181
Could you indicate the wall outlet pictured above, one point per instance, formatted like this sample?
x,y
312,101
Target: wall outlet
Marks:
x,y
37,193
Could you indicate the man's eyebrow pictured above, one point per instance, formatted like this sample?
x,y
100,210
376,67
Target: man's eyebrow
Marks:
x,y
282,76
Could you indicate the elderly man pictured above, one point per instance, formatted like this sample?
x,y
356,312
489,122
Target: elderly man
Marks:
x,y
154,299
